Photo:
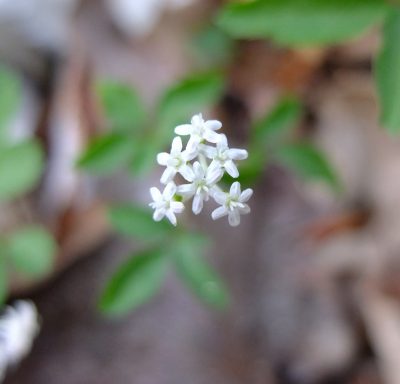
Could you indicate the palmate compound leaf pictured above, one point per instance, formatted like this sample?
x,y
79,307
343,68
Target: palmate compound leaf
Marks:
x,y
197,274
21,166
301,22
387,73
134,283
31,251
308,162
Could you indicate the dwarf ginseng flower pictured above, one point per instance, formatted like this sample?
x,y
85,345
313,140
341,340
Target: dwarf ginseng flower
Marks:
x,y
202,164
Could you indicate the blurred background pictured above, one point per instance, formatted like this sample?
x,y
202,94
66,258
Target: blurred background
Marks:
x,y
305,291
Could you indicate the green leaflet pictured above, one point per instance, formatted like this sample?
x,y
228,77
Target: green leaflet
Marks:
x,y
387,73
301,22
135,283
21,166
136,221
308,162
31,251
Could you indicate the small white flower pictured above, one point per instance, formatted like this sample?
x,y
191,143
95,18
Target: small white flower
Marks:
x,y
224,156
199,130
175,161
19,325
164,205
233,204
201,185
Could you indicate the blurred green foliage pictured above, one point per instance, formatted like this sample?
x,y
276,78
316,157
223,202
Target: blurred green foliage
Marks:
x,y
387,71
21,166
27,251
31,251
198,275
10,91
301,22
308,162
212,47
135,282
123,108
298,23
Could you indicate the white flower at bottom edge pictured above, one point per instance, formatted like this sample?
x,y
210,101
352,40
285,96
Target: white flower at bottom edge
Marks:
x,y
224,156
175,161
164,205
233,204
19,325
199,130
200,187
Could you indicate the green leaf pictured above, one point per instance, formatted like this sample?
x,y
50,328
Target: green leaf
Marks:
x,y
123,108
308,162
144,158
253,167
186,98
132,220
267,135
135,282
198,275
3,278
387,73
278,123
10,95
212,46
107,153
301,22
32,251
21,166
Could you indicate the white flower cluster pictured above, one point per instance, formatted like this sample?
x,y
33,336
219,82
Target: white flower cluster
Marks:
x,y
202,165
19,326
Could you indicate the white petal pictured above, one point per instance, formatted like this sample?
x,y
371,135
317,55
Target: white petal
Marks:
x,y
209,151
211,136
169,191
176,146
245,195
235,190
187,172
245,210
189,156
197,119
162,158
186,190
184,129
213,124
214,173
193,144
177,206
171,217
155,194
198,170
219,212
219,197
222,141
158,214
237,154
168,175
234,218
231,168
197,204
